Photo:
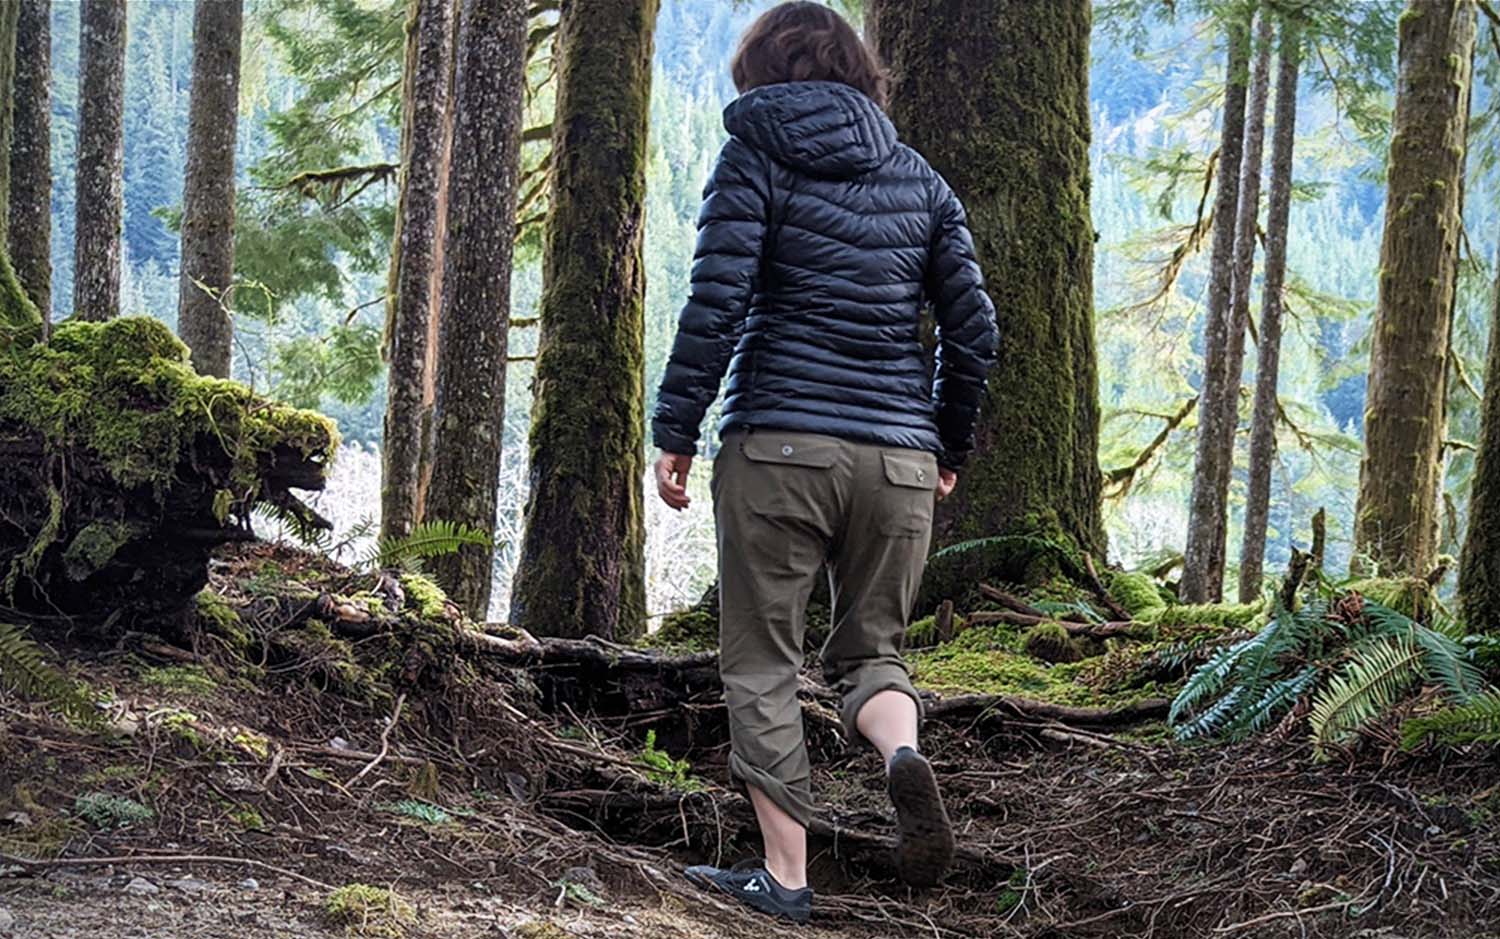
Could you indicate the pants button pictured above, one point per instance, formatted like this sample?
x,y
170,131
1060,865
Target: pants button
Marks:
x,y
786,450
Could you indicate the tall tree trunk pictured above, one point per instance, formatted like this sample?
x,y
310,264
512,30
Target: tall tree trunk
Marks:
x,y
582,567
101,159
475,323
1200,581
1268,349
31,155
417,263
204,290
19,320
1396,515
1479,564
1011,136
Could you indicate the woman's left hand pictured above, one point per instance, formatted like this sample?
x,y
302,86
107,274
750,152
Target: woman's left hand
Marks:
x,y
947,479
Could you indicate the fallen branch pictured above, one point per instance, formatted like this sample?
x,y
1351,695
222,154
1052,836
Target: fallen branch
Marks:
x,y
160,859
981,706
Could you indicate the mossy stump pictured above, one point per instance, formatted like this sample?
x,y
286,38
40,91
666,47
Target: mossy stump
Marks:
x,y
121,470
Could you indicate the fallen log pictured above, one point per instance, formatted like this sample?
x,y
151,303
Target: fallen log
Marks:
x,y
123,470
969,708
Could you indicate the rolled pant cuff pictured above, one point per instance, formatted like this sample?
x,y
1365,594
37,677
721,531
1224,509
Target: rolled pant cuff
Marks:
x,y
792,798
868,687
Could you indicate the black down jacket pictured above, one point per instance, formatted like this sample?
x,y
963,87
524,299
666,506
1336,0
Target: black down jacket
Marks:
x,y
819,239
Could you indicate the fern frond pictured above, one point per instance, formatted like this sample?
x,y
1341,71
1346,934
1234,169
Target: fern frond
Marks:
x,y
1446,663
1207,680
1277,697
1477,721
1365,688
23,671
427,540
309,535
1211,719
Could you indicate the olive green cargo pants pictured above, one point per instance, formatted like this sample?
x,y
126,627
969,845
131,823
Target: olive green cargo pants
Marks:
x,y
786,503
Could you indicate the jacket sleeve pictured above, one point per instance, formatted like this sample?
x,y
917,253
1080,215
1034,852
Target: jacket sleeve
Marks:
x,y
731,232
967,334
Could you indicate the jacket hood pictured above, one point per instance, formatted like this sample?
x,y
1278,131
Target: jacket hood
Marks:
x,y
823,129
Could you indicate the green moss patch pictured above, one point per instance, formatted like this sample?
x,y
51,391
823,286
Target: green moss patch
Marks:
x,y
687,631
364,910
125,391
179,679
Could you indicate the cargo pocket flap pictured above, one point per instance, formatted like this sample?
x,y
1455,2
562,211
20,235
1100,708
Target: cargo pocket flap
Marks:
x,y
789,450
913,471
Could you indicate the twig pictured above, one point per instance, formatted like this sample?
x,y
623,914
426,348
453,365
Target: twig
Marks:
x,y
1284,914
385,741
161,859
1114,608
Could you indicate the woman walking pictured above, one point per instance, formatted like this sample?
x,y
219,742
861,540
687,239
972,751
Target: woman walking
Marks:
x,y
820,238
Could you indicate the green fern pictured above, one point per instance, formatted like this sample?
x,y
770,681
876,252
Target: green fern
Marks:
x,y
428,540
1475,721
23,672
1372,683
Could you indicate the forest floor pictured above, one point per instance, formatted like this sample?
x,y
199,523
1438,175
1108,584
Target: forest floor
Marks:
x,y
236,794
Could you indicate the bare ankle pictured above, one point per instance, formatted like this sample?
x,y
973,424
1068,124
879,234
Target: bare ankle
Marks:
x,y
790,877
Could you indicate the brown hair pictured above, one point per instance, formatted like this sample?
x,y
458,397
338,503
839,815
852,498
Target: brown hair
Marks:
x,y
804,41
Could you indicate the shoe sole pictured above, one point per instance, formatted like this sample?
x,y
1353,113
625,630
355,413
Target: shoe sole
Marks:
x,y
705,883
925,849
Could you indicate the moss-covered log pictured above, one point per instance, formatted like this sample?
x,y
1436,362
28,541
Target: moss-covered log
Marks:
x,y
1479,566
1396,514
121,469
582,566
995,95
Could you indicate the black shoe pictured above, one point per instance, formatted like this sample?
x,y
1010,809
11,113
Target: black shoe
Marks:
x,y
926,846
751,884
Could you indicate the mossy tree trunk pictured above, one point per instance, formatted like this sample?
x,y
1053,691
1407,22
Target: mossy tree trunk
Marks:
x,y
995,95
101,159
31,154
417,263
1268,349
489,87
204,288
1479,565
582,567
1202,581
20,323
1396,515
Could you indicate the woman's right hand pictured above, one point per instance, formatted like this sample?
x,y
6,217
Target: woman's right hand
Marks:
x,y
671,479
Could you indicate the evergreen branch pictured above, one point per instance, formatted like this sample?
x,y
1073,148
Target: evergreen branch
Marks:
x,y
1122,477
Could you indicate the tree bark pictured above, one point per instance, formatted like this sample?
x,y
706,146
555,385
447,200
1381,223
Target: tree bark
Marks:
x,y
1396,515
1268,348
30,231
1012,138
417,263
20,323
1200,582
582,567
204,294
1479,563
475,320
101,159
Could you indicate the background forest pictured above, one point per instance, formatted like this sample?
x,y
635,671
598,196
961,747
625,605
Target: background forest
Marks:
x,y
321,89
1192,652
